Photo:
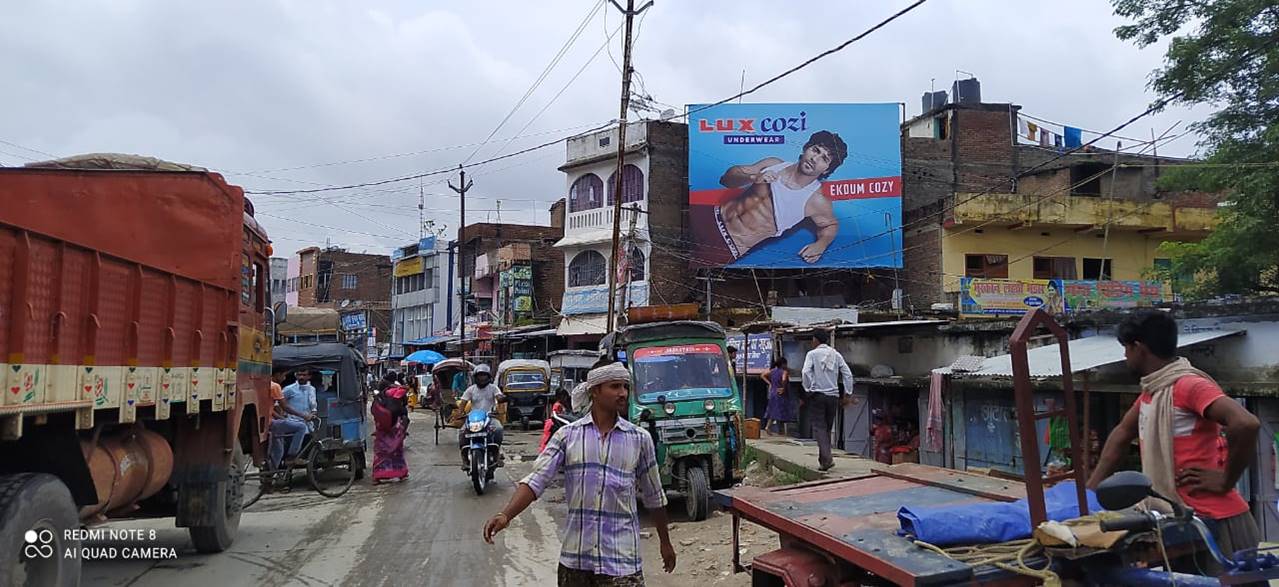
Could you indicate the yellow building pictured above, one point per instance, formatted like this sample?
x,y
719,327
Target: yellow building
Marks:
x,y
990,192
1028,236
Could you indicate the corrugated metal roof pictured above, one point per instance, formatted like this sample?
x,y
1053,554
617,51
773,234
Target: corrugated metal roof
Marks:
x,y
890,323
1085,353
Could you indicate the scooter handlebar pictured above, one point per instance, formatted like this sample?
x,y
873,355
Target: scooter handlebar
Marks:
x,y
1133,522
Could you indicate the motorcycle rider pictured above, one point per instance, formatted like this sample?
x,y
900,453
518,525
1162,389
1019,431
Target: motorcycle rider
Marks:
x,y
482,395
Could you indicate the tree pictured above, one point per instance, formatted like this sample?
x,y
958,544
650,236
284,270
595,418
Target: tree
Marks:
x,y
1224,53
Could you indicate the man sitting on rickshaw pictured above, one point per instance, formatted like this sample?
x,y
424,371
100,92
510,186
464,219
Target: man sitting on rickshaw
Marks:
x,y
286,424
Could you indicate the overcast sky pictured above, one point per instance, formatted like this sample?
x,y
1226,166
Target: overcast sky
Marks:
x,y
287,94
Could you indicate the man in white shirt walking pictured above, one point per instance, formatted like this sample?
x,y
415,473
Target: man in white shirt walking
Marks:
x,y
823,368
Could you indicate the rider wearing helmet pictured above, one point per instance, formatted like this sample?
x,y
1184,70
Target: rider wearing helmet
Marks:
x,y
482,395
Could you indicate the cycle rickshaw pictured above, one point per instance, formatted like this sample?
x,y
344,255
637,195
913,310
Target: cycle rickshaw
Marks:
x,y
333,452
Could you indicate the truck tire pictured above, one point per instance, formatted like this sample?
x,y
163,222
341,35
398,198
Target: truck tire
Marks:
x,y
36,510
697,498
226,502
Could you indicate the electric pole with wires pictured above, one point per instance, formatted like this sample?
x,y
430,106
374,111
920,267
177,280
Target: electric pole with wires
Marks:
x,y
630,13
461,188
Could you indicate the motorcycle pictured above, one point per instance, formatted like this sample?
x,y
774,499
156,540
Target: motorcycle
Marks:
x,y
1124,490
482,450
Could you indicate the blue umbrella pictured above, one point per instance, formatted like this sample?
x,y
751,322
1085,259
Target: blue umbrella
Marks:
x,y
425,357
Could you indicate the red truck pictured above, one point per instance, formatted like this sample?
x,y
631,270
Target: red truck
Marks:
x,y
135,356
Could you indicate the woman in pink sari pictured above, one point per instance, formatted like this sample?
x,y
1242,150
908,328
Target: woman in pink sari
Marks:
x,y
391,426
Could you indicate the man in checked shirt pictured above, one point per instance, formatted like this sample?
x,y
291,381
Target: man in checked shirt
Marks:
x,y
605,460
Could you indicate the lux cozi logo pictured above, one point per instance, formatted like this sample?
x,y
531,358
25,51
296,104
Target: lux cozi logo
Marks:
x,y
740,125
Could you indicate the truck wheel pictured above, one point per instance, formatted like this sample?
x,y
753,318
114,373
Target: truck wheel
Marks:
x,y
226,505
697,497
36,510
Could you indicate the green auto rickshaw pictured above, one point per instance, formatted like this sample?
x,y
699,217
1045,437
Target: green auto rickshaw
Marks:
x,y
683,394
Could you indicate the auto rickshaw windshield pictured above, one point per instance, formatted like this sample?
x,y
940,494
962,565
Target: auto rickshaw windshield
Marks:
x,y
681,372
525,380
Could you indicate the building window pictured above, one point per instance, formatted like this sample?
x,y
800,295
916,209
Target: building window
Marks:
x,y
1055,268
987,266
350,281
428,279
587,268
632,185
587,193
1085,179
1097,269
636,264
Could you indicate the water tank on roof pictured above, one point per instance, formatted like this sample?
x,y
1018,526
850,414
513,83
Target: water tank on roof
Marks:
x,y
933,100
967,91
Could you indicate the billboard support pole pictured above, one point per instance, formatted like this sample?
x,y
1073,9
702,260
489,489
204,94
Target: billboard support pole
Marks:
x,y
630,13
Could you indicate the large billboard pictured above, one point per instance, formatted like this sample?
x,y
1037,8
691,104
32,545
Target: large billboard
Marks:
x,y
795,185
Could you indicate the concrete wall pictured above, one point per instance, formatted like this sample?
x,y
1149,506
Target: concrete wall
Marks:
x,y
915,352
1130,253
294,272
604,143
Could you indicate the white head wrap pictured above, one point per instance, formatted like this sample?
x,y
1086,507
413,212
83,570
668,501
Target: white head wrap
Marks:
x,y
581,398
608,374
596,377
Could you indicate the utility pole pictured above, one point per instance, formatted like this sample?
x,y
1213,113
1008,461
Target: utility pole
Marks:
x,y
630,13
709,279
461,188
630,242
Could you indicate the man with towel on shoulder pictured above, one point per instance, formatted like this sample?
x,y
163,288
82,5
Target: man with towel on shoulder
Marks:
x,y
1178,420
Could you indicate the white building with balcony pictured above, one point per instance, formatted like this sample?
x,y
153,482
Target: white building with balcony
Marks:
x,y
653,192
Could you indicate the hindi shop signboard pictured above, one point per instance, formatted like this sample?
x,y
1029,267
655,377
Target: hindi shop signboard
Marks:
x,y
1013,297
1096,295
795,185
755,357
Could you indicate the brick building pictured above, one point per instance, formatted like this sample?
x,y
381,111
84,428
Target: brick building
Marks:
x,y
983,199
511,271
358,285
653,226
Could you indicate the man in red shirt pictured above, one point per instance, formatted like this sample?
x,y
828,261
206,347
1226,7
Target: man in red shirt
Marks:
x,y
1178,420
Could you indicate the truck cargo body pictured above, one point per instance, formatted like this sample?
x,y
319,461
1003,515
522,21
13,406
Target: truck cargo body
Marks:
x,y
133,328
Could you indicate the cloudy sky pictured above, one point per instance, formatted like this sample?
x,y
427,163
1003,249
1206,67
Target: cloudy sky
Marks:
x,y
300,94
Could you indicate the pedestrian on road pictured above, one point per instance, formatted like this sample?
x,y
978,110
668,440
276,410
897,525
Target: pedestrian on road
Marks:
x,y
823,368
1178,420
391,427
779,408
606,460
732,363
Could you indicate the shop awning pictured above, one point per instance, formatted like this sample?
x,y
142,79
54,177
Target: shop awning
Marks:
x,y
1085,354
429,340
594,324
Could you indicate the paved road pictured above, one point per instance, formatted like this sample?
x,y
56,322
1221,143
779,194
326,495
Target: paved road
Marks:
x,y
422,532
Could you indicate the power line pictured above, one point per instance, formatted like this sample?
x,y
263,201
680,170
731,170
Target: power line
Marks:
x,y
24,148
538,82
557,95
428,173
758,87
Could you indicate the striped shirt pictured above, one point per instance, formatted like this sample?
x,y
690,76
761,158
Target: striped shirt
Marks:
x,y
601,478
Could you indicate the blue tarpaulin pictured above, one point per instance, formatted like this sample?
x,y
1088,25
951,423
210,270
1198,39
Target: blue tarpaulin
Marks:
x,y
985,523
